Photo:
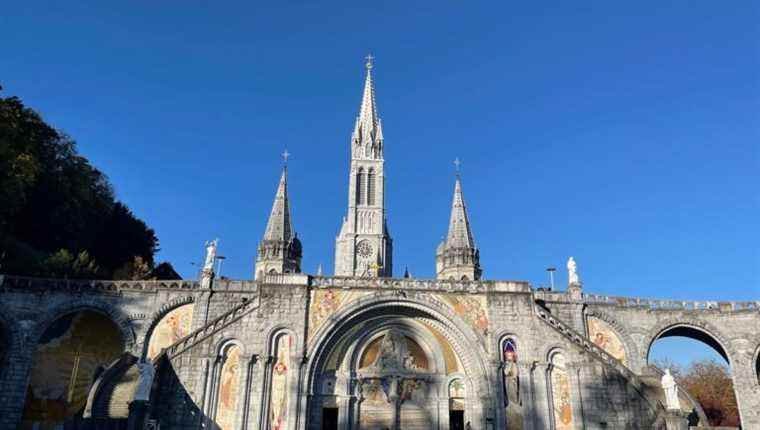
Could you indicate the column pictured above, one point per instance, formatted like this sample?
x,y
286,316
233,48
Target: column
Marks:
x,y
542,413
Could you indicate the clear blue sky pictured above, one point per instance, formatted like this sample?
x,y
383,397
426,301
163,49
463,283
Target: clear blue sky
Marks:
x,y
626,135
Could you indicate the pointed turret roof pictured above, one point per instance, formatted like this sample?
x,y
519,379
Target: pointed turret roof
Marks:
x,y
460,235
279,226
367,124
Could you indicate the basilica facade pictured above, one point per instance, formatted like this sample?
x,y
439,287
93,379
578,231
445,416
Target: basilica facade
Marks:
x,y
357,350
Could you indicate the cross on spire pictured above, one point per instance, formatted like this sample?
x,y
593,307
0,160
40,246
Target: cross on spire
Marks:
x,y
457,164
285,156
369,59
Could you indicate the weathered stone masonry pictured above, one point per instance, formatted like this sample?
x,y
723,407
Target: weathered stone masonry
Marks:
x,y
603,391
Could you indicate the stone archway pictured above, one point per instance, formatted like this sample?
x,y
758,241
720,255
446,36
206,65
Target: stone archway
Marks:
x,y
694,332
706,335
387,363
70,354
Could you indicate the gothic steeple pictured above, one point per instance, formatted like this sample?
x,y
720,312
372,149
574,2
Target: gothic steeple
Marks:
x,y
367,137
363,246
457,257
279,250
279,226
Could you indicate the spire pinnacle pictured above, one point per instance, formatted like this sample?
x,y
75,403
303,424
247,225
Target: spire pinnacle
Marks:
x,y
368,118
460,235
279,226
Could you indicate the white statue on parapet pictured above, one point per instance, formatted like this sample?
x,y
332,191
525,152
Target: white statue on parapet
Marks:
x,y
572,272
210,254
208,266
671,391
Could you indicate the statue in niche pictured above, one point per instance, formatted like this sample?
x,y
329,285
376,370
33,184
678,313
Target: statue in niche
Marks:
x,y
511,377
671,391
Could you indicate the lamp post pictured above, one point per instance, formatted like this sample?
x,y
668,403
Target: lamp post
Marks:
x,y
551,271
220,259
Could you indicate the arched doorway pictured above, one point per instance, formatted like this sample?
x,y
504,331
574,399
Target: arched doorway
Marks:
x,y
396,367
702,368
70,354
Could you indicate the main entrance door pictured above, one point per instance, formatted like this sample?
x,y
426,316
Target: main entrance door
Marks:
x,y
330,419
456,420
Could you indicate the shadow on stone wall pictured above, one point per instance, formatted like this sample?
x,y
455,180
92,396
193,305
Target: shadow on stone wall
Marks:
x,y
173,406
611,401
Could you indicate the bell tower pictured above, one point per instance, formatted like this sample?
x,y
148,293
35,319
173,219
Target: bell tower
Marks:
x,y
363,247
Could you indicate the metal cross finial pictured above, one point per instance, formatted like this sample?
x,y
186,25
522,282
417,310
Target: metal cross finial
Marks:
x,y
285,156
457,163
369,59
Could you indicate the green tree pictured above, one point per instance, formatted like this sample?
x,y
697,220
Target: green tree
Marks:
x,y
709,383
53,199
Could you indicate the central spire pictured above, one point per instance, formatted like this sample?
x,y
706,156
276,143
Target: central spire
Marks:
x,y
368,113
363,247
368,130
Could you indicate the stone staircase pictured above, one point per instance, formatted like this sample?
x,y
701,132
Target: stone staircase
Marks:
x,y
599,354
208,330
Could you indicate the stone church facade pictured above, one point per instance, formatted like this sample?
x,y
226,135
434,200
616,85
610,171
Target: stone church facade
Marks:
x,y
358,350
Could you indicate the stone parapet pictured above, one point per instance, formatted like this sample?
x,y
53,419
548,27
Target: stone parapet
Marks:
x,y
440,285
687,305
28,284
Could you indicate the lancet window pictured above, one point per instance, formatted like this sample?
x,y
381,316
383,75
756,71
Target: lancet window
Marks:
x,y
371,187
361,192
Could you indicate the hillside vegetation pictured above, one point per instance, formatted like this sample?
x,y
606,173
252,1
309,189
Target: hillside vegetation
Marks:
x,y
58,214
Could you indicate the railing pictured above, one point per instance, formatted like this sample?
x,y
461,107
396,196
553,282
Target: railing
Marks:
x,y
598,353
672,304
76,285
208,330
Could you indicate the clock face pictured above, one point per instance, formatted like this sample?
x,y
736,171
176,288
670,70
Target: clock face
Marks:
x,y
364,249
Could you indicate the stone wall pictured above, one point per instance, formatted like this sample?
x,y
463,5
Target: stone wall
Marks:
x,y
474,318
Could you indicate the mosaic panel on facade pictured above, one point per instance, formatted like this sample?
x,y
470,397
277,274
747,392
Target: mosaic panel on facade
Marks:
x,y
605,337
457,394
473,309
173,326
560,388
71,352
278,402
325,302
229,385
